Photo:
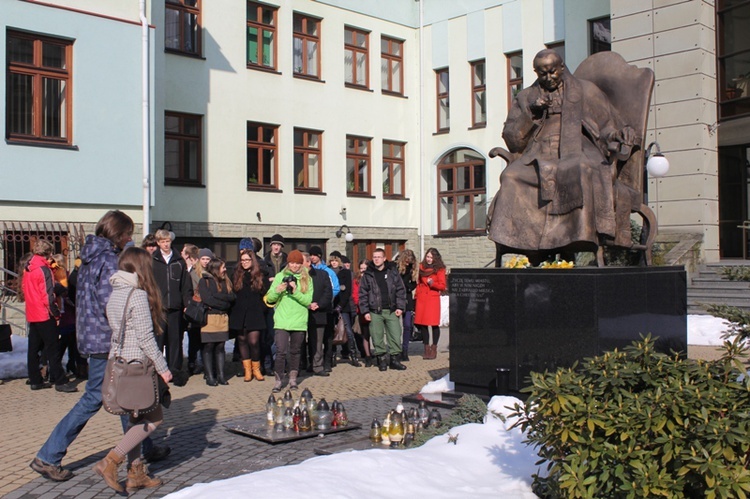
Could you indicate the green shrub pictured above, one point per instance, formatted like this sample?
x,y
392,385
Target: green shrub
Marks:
x,y
737,273
637,423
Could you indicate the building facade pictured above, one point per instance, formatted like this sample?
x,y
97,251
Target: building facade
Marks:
x,y
314,118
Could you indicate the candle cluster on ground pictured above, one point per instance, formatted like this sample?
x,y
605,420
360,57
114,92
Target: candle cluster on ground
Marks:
x,y
399,427
304,414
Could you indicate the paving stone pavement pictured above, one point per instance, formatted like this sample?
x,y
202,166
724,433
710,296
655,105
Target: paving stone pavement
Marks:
x,y
202,450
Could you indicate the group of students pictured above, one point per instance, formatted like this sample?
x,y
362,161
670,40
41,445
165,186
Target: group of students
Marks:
x,y
49,294
297,295
282,310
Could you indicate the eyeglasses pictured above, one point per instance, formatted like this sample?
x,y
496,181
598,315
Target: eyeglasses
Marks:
x,y
245,260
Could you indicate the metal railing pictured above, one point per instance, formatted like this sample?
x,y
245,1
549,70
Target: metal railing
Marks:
x,y
9,302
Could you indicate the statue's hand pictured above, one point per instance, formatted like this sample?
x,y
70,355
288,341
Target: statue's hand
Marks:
x,y
620,143
540,105
624,136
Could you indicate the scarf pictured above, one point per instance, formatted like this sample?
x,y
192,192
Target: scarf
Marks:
x,y
426,271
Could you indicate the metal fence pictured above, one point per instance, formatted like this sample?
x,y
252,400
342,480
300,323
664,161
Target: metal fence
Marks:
x,y
16,241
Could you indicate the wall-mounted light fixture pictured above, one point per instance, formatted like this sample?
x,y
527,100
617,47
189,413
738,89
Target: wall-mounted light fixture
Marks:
x,y
348,236
656,164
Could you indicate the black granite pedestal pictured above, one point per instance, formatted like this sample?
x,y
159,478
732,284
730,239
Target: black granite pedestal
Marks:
x,y
523,320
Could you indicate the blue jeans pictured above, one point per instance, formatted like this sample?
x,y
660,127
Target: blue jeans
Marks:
x,y
54,449
408,329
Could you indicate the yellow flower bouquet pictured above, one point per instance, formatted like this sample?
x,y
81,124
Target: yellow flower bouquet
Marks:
x,y
517,262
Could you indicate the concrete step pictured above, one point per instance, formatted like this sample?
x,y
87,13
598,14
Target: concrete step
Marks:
x,y
743,303
700,282
719,293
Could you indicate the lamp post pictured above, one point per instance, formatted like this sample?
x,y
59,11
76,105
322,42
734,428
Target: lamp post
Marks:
x,y
655,165
348,236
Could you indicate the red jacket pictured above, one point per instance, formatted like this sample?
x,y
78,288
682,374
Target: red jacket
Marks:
x,y
38,289
427,297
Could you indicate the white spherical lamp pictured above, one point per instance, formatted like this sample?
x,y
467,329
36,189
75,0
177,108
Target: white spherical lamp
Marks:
x,y
657,165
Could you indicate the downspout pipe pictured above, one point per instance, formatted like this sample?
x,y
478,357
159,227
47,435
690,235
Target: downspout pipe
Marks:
x,y
145,120
423,183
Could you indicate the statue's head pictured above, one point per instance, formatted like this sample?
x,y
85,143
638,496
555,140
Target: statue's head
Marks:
x,y
549,68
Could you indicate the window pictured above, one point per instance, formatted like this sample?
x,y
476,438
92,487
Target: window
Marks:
x,y
182,149
478,94
443,100
515,75
356,49
357,165
391,65
462,193
261,36
182,31
360,250
262,148
558,47
307,160
17,239
733,54
306,46
39,95
600,35
393,169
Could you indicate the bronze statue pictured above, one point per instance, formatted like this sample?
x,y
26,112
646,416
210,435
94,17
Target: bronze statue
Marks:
x,y
562,191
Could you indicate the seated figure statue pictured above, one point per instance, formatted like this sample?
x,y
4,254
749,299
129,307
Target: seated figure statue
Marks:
x,y
557,194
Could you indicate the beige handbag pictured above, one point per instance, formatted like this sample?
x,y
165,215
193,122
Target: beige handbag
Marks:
x,y
216,323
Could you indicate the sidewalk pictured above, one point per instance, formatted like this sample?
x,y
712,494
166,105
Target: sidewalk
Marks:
x,y
202,450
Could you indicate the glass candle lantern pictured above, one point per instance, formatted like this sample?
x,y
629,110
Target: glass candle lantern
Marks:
x,y
288,400
270,407
341,417
296,415
305,424
288,418
375,429
422,413
396,429
323,416
410,434
435,418
385,429
278,412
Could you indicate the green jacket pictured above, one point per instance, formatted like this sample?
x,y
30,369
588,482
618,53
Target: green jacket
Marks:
x,y
291,309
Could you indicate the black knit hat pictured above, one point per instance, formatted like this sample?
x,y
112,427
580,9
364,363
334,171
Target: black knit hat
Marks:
x,y
316,251
277,238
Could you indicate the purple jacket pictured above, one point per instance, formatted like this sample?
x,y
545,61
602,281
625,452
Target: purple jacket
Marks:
x,y
99,263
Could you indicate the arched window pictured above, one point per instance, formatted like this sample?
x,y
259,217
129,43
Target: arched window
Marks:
x,y
462,192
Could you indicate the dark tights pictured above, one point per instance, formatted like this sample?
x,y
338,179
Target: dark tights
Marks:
x,y
426,334
249,345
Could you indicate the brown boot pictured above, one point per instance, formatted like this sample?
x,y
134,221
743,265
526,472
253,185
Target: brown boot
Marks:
x,y
138,477
247,365
107,469
430,352
256,370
